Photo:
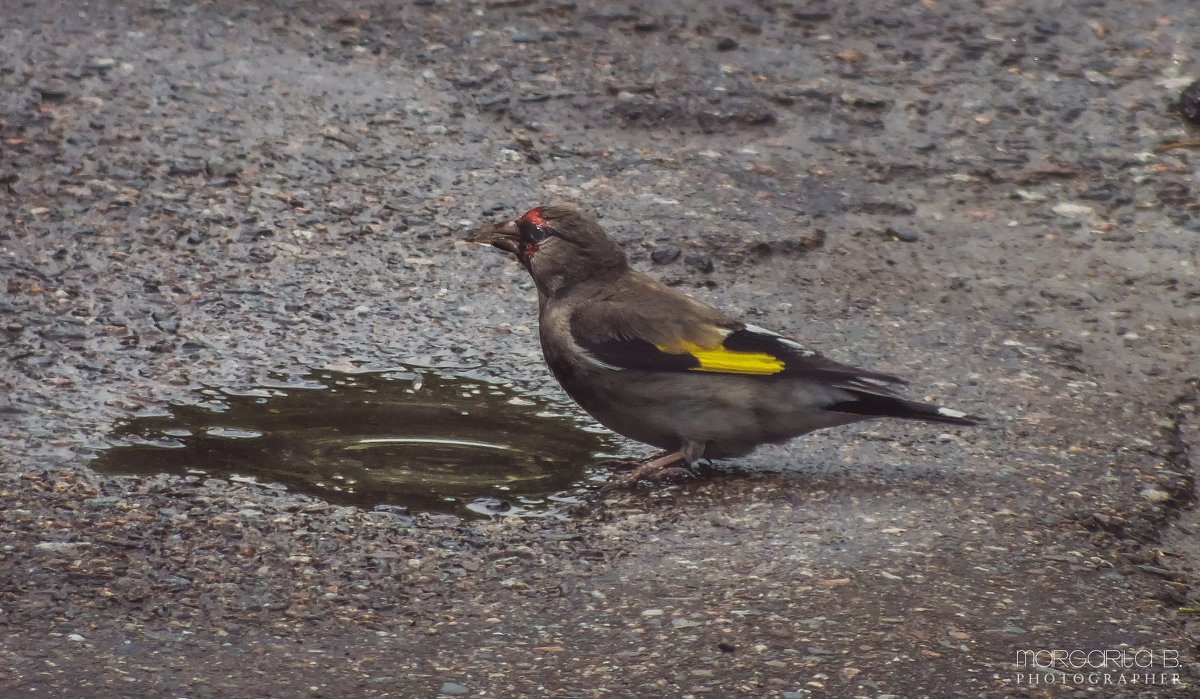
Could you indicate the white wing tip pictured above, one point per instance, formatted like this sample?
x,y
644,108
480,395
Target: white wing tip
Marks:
x,y
878,383
947,412
804,351
592,359
760,330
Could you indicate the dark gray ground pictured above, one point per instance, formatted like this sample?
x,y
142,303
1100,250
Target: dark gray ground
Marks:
x,y
206,193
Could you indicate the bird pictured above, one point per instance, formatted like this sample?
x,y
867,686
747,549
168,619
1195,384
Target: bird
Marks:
x,y
662,368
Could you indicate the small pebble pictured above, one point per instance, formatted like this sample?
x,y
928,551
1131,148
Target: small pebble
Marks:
x,y
453,689
903,234
1156,495
665,254
1189,104
704,263
1070,210
58,546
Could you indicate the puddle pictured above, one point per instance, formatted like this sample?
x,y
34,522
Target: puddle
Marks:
x,y
414,438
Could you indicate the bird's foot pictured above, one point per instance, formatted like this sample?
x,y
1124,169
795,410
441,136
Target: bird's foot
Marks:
x,y
656,470
631,480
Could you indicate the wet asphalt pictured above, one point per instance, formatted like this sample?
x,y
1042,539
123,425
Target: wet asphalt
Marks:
x,y
967,194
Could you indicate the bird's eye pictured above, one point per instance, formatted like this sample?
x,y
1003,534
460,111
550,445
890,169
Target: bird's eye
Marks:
x,y
532,232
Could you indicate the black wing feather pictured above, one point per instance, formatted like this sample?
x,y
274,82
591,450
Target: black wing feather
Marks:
x,y
800,361
638,354
883,405
870,391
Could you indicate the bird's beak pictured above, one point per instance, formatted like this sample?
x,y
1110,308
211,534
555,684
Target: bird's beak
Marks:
x,y
499,235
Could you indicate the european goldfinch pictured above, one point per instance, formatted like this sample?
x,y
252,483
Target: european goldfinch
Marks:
x,y
659,367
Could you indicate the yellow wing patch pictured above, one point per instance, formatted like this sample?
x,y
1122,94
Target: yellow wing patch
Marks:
x,y
721,360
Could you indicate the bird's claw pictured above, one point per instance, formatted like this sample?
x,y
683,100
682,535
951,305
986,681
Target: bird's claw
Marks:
x,y
653,471
619,464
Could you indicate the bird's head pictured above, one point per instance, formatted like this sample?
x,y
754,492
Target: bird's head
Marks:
x,y
560,247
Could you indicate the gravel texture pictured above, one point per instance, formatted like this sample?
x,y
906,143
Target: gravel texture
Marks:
x,y
961,192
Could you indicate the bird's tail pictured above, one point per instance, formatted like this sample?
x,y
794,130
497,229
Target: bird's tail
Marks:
x,y
870,403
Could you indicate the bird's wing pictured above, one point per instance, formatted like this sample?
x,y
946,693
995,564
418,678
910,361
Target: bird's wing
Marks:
x,y
681,334
668,332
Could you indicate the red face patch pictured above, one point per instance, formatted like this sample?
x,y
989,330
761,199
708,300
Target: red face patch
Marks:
x,y
534,216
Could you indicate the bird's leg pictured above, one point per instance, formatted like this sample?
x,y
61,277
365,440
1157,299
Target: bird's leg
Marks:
x,y
660,468
692,451
656,469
